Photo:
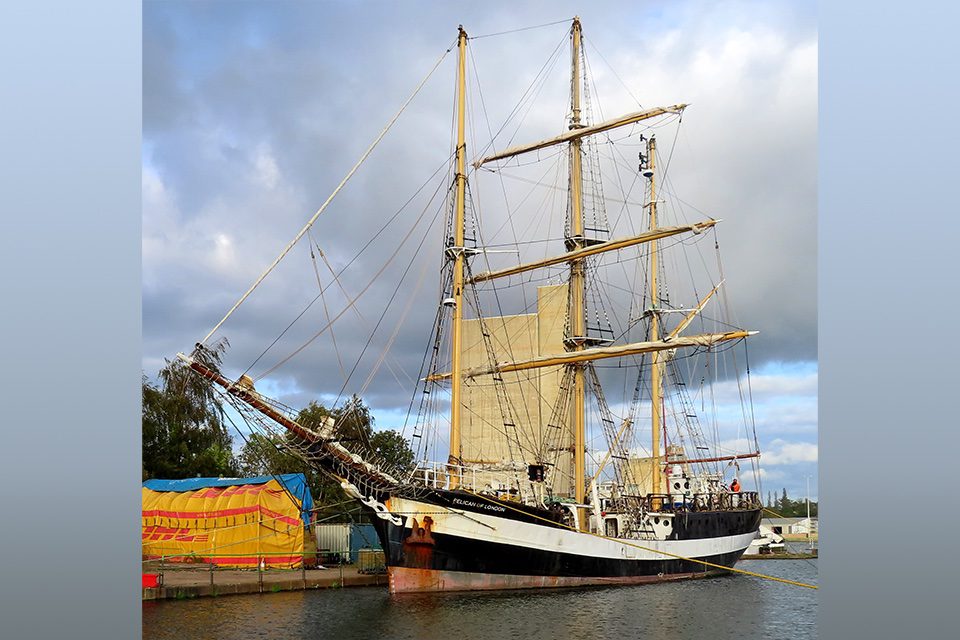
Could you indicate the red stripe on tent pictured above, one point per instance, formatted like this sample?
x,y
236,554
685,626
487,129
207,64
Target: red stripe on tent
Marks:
x,y
252,561
221,513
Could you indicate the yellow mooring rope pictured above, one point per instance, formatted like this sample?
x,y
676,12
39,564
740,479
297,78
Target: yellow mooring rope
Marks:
x,y
672,555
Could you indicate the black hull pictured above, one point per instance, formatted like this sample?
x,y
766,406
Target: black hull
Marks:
x,y
439,560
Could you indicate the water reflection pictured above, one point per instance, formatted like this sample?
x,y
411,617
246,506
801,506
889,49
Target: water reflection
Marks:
x,y
729,607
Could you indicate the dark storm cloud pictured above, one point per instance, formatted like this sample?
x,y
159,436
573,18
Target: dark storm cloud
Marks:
x,y
253,113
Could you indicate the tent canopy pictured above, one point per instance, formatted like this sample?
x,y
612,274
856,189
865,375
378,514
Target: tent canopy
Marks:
x,y
233,522
294,483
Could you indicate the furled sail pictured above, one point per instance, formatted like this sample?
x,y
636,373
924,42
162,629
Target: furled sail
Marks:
x,y
601,247
580,132
600,353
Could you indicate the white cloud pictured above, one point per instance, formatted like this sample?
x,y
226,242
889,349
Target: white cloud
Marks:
x,y
774,474
739,445
785,453
266,171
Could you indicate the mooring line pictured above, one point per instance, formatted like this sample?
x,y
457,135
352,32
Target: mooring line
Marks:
x,y
637,546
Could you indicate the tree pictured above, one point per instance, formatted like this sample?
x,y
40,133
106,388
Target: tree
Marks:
x,y
183,432
273,454
394,450
263,455
784,502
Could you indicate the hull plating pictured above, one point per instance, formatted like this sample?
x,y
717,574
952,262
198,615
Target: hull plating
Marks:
x,y
404,580
440,549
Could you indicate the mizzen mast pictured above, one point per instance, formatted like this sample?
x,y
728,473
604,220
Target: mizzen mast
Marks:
x,y
577,337
459,255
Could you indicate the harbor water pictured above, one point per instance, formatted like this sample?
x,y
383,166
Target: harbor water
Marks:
x,y
734,606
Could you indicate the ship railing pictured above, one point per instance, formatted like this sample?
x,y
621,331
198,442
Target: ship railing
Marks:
x,y
717,501
442,475
477,478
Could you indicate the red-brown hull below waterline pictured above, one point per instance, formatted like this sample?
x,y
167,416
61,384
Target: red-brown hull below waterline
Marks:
x,y
405,580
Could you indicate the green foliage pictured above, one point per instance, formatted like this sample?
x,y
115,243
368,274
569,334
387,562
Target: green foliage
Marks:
x,y
263,455
394,450
268,455
184,435
798,509
183,432
787,508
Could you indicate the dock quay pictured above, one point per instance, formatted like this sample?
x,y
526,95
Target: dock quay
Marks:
x,y
191,582
779,556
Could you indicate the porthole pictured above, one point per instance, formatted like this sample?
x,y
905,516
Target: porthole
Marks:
x,y
676,485
656,521
686,485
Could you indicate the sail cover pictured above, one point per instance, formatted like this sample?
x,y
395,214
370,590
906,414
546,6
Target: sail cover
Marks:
x,y
234,522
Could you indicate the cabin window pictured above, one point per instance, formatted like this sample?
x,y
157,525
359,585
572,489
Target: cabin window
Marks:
x,y
611,528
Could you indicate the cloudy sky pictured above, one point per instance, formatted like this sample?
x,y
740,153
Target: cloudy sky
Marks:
x,y
252,114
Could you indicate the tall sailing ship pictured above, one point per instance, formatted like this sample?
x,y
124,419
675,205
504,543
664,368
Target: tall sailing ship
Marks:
x,y
546,484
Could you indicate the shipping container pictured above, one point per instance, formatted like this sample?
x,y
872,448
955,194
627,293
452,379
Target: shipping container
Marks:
x,y
333,542
343,542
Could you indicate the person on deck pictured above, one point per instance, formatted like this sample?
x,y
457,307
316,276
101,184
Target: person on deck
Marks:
x,y
735,490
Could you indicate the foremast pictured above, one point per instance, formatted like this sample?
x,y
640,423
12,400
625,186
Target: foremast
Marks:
x,y
459,255
577,338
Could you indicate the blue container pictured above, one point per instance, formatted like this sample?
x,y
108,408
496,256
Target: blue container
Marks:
x,y
362,536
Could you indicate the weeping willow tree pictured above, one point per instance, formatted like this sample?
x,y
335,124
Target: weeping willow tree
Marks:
x,y
183,429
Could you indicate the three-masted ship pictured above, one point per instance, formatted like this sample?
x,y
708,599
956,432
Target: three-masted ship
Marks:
x,y
525,510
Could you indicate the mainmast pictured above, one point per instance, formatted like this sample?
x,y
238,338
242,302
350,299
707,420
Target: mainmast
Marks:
x,y
656,378
457,250
576,241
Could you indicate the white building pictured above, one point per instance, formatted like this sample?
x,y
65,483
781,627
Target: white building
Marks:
x,y
791,526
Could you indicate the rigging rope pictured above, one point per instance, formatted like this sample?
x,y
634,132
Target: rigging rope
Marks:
x,y
340,186
537,26
353,301
643,548
344,269
363,321
326,311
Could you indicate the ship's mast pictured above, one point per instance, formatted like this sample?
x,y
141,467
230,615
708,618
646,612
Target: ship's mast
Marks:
x,y
656,381
577,319
456,450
